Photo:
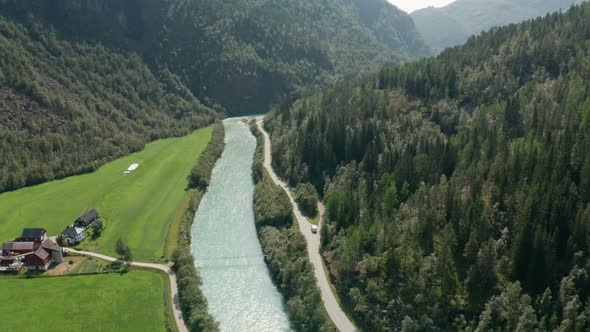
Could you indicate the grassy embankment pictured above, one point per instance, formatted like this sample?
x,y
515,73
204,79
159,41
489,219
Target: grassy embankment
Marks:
x,y
192,301
285,250
315,220
96,302
139,208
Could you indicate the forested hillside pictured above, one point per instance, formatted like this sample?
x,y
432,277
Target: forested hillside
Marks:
x,y
67,108
241,54
457,187
453,24
83,82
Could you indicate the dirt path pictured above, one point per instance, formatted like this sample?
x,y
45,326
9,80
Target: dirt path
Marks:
x,y
313,245
173,287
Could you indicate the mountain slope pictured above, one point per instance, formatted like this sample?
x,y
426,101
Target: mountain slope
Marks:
x,y
453,24
242,54
456,188
67,108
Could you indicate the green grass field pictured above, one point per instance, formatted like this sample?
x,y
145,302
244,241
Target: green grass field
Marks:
x,y
134,301
138,208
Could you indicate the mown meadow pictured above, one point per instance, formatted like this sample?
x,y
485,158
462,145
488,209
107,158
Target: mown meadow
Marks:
x,y
137,208
132,301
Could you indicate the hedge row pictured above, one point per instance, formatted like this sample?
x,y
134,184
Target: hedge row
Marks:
x,y
201,173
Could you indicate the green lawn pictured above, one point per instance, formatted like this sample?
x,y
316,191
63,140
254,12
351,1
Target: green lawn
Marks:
x,y
138,208
134,301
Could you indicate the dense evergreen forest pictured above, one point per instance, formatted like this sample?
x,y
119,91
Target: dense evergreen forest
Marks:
x,y
284,249
67,107
457,188
242,54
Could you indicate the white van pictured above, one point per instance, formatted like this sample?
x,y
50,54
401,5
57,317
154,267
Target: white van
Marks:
x,y
314,229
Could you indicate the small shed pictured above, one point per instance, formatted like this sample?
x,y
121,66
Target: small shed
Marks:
x,y
131,169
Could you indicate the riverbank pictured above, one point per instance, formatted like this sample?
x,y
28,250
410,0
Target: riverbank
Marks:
x,y
193,303
285,249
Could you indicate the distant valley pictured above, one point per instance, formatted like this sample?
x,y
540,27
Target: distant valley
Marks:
x,y
453,24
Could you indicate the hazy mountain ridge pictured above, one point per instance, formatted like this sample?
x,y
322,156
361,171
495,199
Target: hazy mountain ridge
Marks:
x,y
453,24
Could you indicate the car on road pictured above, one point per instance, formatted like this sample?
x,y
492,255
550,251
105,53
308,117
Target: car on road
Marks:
x,y
314,229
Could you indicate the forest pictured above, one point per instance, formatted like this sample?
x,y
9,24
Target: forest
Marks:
x,y
284,249
241,54
66,108
456,187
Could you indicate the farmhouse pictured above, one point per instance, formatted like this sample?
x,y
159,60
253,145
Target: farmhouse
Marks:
x,y
37,235
37,255
87,219
47,254
17,248
73,235
13,254
39,260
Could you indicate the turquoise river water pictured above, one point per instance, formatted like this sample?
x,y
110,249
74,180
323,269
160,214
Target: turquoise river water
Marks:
x,y
236,280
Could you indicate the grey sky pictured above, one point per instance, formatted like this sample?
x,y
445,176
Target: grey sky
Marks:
x,y
412,5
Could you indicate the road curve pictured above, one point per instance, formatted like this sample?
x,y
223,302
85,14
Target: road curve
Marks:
x,y
173,286
313,245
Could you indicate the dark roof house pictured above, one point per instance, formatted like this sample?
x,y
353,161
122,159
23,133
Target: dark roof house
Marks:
x,y
87,218
36,235
72,232
73,235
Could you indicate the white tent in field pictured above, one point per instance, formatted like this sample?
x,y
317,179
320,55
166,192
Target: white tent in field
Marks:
x,y
131,168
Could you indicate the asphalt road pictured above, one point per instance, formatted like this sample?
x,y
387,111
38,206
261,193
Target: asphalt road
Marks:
x,y
313,245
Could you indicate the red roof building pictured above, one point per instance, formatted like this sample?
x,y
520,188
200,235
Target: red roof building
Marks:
x,y
40,260
18,248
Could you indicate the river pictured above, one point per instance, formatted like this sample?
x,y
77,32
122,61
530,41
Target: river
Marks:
x,y
236,281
